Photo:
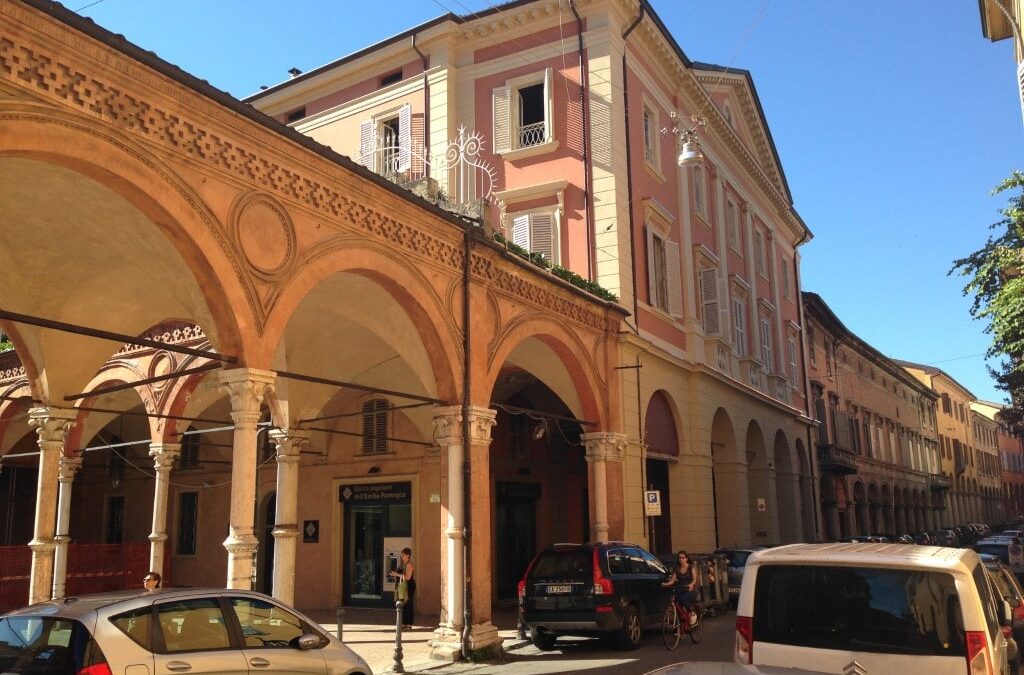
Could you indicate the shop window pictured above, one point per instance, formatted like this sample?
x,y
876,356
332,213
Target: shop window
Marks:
x,y
375,427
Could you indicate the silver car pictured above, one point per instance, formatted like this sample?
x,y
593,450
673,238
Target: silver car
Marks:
x,y
169,631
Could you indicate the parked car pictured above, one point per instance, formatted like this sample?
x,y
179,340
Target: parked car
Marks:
x,y
737,558
727,668
923,539
609,589
945,538
193,630
1000,546
1009,589
890,609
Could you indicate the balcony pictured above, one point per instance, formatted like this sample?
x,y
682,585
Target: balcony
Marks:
x,y
837,460
961,465
938,482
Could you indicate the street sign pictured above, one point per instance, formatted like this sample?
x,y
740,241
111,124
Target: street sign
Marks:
x,y
652,503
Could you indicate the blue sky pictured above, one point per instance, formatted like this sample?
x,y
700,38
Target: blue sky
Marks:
x,y
893,121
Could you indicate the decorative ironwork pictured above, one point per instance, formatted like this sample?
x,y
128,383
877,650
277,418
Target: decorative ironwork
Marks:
x,y
938,482
531,134
837,460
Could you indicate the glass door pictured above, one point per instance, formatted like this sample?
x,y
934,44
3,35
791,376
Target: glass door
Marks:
x,y
365,554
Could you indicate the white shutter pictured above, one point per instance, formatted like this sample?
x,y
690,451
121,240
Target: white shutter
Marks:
x,y
501,103
766,344
652,291
792,362
404,137
366,144
740,325
709,301
521,231
549,108
723,306
1020,82
542,238
675,284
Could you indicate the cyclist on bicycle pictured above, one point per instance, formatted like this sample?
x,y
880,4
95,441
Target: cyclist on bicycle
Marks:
x,y
684,579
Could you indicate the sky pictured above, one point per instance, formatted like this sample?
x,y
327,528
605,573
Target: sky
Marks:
x,y
893,122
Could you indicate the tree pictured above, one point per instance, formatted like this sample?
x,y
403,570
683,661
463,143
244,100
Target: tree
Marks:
x,y
5,342
995,276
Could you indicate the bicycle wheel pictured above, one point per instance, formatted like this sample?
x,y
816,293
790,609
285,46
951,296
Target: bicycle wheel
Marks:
x,y
670,628
696,631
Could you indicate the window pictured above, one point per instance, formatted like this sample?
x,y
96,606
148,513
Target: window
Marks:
x,y
812,352
189,455
385,142
192,625
663,272
713,299
188,514
760,264
794,370
732,226
536,232
522,113
787,291
699,203
767,357
391,78
739,319
266,625
828,360
375,427
137,625
296,115
651,144
115,520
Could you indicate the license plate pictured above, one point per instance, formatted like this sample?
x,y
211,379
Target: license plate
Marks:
x,y
559,589
734,589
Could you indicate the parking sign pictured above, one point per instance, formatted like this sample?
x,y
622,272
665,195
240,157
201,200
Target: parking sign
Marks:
x,y
652,503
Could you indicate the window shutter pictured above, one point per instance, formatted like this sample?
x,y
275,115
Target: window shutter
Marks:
x,y
675,284
542,238
404,138
380,426
740,326
549,112
709,301
766,344
366,143
521,231
792,362
501,103
652,292
723,306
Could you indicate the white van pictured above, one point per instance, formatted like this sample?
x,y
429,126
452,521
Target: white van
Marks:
x,y
870,608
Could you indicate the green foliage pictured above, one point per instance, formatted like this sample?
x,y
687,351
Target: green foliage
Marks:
x,y
5,342
995,279
559,271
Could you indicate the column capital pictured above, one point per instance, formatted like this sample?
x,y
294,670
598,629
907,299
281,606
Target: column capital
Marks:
x,y
289,443
448,425
164,454
246,387
51,424
604,446
69,466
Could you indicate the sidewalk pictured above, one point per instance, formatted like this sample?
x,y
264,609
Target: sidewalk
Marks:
x,y
371,634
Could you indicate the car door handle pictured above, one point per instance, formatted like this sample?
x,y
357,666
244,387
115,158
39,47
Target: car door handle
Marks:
x,y
258,662
178,666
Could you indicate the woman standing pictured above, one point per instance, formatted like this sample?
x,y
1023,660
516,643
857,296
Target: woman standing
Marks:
x,y
684,578
406,572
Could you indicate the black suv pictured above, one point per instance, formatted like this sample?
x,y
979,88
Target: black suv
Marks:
x,y
610,589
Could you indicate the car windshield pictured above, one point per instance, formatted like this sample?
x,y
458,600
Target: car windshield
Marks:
x,y
737,558
858,609
41,645
573,564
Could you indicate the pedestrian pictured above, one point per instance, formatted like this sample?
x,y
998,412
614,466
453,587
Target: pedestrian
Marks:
x,y
405,574
151,581
684,578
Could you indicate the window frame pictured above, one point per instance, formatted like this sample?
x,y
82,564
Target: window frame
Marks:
x,y
372,411
732,227
698,192
554,213
650,133
739,324
767,350
760,252
515,149
159,643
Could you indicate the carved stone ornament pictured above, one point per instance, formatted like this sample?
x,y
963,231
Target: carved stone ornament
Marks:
x,y
69,466
604,446
247,387
52,425
448,425
289,443
164,454
265,234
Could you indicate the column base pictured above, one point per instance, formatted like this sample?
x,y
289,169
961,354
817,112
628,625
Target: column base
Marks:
x,y
484,643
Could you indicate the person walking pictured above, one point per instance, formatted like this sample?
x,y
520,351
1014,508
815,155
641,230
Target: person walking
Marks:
x,y
406,574
151,581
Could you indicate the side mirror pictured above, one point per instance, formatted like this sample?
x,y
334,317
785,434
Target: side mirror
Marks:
x,y
308,641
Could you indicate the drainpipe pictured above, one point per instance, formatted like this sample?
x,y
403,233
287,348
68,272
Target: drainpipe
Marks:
x,y
467,353
812,450
629,167
588,177
426,107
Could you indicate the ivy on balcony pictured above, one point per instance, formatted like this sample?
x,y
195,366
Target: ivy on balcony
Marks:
x,y
540,261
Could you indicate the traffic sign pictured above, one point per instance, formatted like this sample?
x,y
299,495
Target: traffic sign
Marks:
x,y
652,503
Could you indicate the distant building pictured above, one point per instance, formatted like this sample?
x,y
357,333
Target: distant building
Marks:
x,y
1011,460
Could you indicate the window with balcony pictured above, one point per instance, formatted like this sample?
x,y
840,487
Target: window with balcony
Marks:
x,y
385,142
522,113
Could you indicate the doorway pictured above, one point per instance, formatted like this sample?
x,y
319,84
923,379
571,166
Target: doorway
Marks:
x,y
265,576
515,534
378,525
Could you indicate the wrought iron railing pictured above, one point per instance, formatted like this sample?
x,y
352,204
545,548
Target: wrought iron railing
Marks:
x,y
531,134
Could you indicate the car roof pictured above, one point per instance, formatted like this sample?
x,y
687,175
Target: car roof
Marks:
x,y
896,555
74,607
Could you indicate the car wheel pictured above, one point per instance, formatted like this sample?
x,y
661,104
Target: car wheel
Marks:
x,y
631,632
542,641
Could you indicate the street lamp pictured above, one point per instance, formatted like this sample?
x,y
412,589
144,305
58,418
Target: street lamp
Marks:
x,y
690,152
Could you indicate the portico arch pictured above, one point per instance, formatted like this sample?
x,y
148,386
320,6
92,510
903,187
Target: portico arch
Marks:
x,y
729,475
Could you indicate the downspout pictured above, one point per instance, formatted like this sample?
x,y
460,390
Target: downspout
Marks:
x,y
629,168
426,106
812,450
584,148
466,381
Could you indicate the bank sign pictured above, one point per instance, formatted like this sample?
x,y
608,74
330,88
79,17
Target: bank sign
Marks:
x,y
377,493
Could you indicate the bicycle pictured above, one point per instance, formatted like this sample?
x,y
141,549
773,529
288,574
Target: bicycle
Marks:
x,y
678,621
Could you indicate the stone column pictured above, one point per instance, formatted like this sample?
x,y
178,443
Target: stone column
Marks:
x,y
447,641
246,387
163,455
68,467
602,447
51,426
289,444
